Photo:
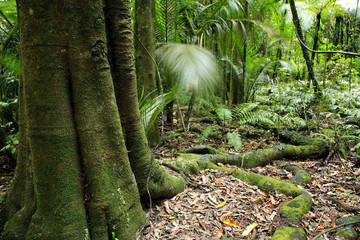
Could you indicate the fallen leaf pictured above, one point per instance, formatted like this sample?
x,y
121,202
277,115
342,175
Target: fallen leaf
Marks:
x,y
220,233
229,222
261,218
221,204
273,202
248,229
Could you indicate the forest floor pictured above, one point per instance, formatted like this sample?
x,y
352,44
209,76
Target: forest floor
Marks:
x,y
223,207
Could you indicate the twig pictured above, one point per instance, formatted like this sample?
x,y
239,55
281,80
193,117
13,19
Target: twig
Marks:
x,y
181,116
346,207
333,150
336,227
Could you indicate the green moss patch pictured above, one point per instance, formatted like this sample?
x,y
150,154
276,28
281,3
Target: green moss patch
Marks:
x,y
289,233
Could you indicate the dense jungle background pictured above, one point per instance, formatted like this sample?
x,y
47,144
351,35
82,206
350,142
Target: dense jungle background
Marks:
x,y
268,86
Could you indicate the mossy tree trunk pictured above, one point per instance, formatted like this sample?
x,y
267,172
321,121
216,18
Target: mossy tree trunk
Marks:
x,y
144,42
120,38
73,179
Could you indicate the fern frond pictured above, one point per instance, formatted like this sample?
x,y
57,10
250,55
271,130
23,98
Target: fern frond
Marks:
x,y
247,114
223,115
234,139
207,104
207,131
292,120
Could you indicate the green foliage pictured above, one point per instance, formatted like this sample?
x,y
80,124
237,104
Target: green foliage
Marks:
x,y
11,144
248,113
113,236
208,131
340,142
223,115
150,109
189,66
8,8
169,20
234,139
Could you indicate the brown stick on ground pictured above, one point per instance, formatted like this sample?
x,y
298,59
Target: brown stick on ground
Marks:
x,y
346,207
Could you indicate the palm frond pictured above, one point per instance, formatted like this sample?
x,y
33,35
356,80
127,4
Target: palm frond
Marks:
x,y
150,110
169,20
191,67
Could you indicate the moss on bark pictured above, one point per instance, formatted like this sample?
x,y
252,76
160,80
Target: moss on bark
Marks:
x,y
73,179
348,232
161,183
300,176
19,204
145,43
292,210
286,233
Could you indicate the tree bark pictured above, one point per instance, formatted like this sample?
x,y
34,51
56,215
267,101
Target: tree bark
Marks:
x,y
73,179
316,36
161,183
305,53
144,42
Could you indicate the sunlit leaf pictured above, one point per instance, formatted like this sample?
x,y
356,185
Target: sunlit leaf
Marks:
x,y
230,222
221,204
248,229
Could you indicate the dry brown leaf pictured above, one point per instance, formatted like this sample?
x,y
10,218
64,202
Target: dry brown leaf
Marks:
x,y
219,233
230,222
272,199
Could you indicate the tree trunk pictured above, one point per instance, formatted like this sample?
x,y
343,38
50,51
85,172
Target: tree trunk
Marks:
x,y
144,42
121,55
316,36
304,50
73,179
241,91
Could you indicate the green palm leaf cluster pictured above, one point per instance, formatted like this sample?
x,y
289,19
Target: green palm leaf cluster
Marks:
x,y
169,20
190,66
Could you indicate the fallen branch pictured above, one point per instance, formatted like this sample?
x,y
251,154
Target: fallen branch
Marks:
x,y
346,207
336,227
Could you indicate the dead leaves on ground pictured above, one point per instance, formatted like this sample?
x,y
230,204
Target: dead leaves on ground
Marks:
x,y
224,207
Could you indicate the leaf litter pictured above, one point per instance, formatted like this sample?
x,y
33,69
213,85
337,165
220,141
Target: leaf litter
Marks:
x,y
226,207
